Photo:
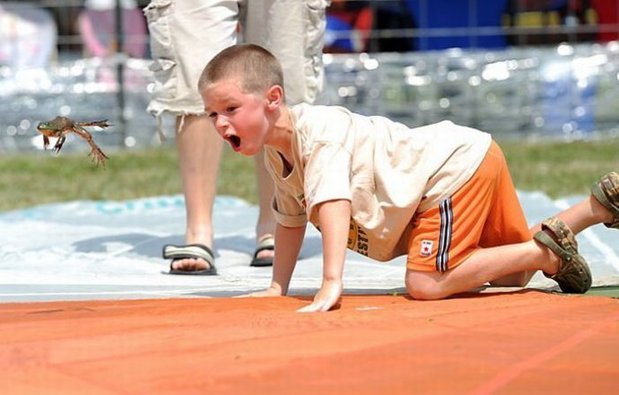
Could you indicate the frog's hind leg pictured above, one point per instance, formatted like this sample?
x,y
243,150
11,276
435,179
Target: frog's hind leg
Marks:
x,y
102,124
97,156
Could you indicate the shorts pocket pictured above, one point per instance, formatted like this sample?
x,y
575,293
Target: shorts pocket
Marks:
x,y
158,14
314,41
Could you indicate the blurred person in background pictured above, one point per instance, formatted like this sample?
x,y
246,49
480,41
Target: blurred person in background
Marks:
x,y
28,35
97,27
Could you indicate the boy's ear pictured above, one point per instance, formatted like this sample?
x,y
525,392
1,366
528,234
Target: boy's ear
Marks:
x,y
275,96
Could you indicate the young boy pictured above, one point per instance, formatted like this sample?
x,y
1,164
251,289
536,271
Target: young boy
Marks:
x,y
441,194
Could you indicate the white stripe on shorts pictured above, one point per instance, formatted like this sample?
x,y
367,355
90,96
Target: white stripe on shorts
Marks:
x,y
444,242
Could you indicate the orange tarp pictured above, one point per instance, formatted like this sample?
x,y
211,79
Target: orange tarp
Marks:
x,y
504,343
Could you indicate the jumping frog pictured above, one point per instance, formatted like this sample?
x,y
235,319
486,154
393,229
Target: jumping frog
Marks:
x,y
60,127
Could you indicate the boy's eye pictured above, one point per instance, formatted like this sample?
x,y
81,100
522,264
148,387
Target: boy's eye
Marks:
x,y
231,109
212,115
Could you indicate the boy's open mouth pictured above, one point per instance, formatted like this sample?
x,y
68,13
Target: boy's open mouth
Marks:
x,y
235,141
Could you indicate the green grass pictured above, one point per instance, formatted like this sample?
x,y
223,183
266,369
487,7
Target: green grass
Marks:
x,y
611,291
31,179
559,169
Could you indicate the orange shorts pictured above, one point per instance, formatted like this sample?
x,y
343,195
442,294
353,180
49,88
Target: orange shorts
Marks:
x,y
484,212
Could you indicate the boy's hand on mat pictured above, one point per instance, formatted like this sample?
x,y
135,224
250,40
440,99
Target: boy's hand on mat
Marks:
x,y
327,297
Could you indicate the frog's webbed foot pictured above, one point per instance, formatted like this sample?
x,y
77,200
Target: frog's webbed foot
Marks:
x,y
97,156
45,142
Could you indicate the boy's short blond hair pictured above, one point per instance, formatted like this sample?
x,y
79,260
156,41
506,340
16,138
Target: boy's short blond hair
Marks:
x,y
256,67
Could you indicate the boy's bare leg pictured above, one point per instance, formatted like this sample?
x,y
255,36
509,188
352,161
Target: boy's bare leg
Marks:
x,y
500,264
266,219
582,215
578,218
199,153
483,266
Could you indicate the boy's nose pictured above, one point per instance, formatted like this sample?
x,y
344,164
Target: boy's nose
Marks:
x,y
221,123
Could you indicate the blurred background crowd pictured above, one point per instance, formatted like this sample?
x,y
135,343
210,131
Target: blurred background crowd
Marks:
x,y
529,67
35,32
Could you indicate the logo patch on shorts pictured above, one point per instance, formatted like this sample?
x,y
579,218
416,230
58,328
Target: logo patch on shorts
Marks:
x,y
426,248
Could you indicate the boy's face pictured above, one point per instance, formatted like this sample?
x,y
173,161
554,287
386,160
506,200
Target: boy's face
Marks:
x,y
239,117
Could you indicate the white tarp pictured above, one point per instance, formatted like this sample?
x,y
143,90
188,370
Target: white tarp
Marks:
x,y
108,249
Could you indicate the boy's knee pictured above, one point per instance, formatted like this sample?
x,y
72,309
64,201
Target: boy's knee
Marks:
x,y
422,286
417,293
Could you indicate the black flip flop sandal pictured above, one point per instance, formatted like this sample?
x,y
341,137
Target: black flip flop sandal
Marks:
x,y
266,243
190,251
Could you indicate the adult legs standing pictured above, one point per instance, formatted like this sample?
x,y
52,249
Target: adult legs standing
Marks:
x,y
185,35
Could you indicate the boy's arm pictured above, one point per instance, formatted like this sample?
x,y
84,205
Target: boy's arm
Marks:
x,y
288,243
334,219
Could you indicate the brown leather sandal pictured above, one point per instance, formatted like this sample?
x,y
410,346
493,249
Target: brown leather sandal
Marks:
x,y
606,191
573,275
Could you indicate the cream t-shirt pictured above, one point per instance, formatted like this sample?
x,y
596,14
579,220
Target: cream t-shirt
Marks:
x,y
387,170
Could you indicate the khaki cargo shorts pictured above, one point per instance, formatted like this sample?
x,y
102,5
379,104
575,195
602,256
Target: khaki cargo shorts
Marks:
x,y
186,34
